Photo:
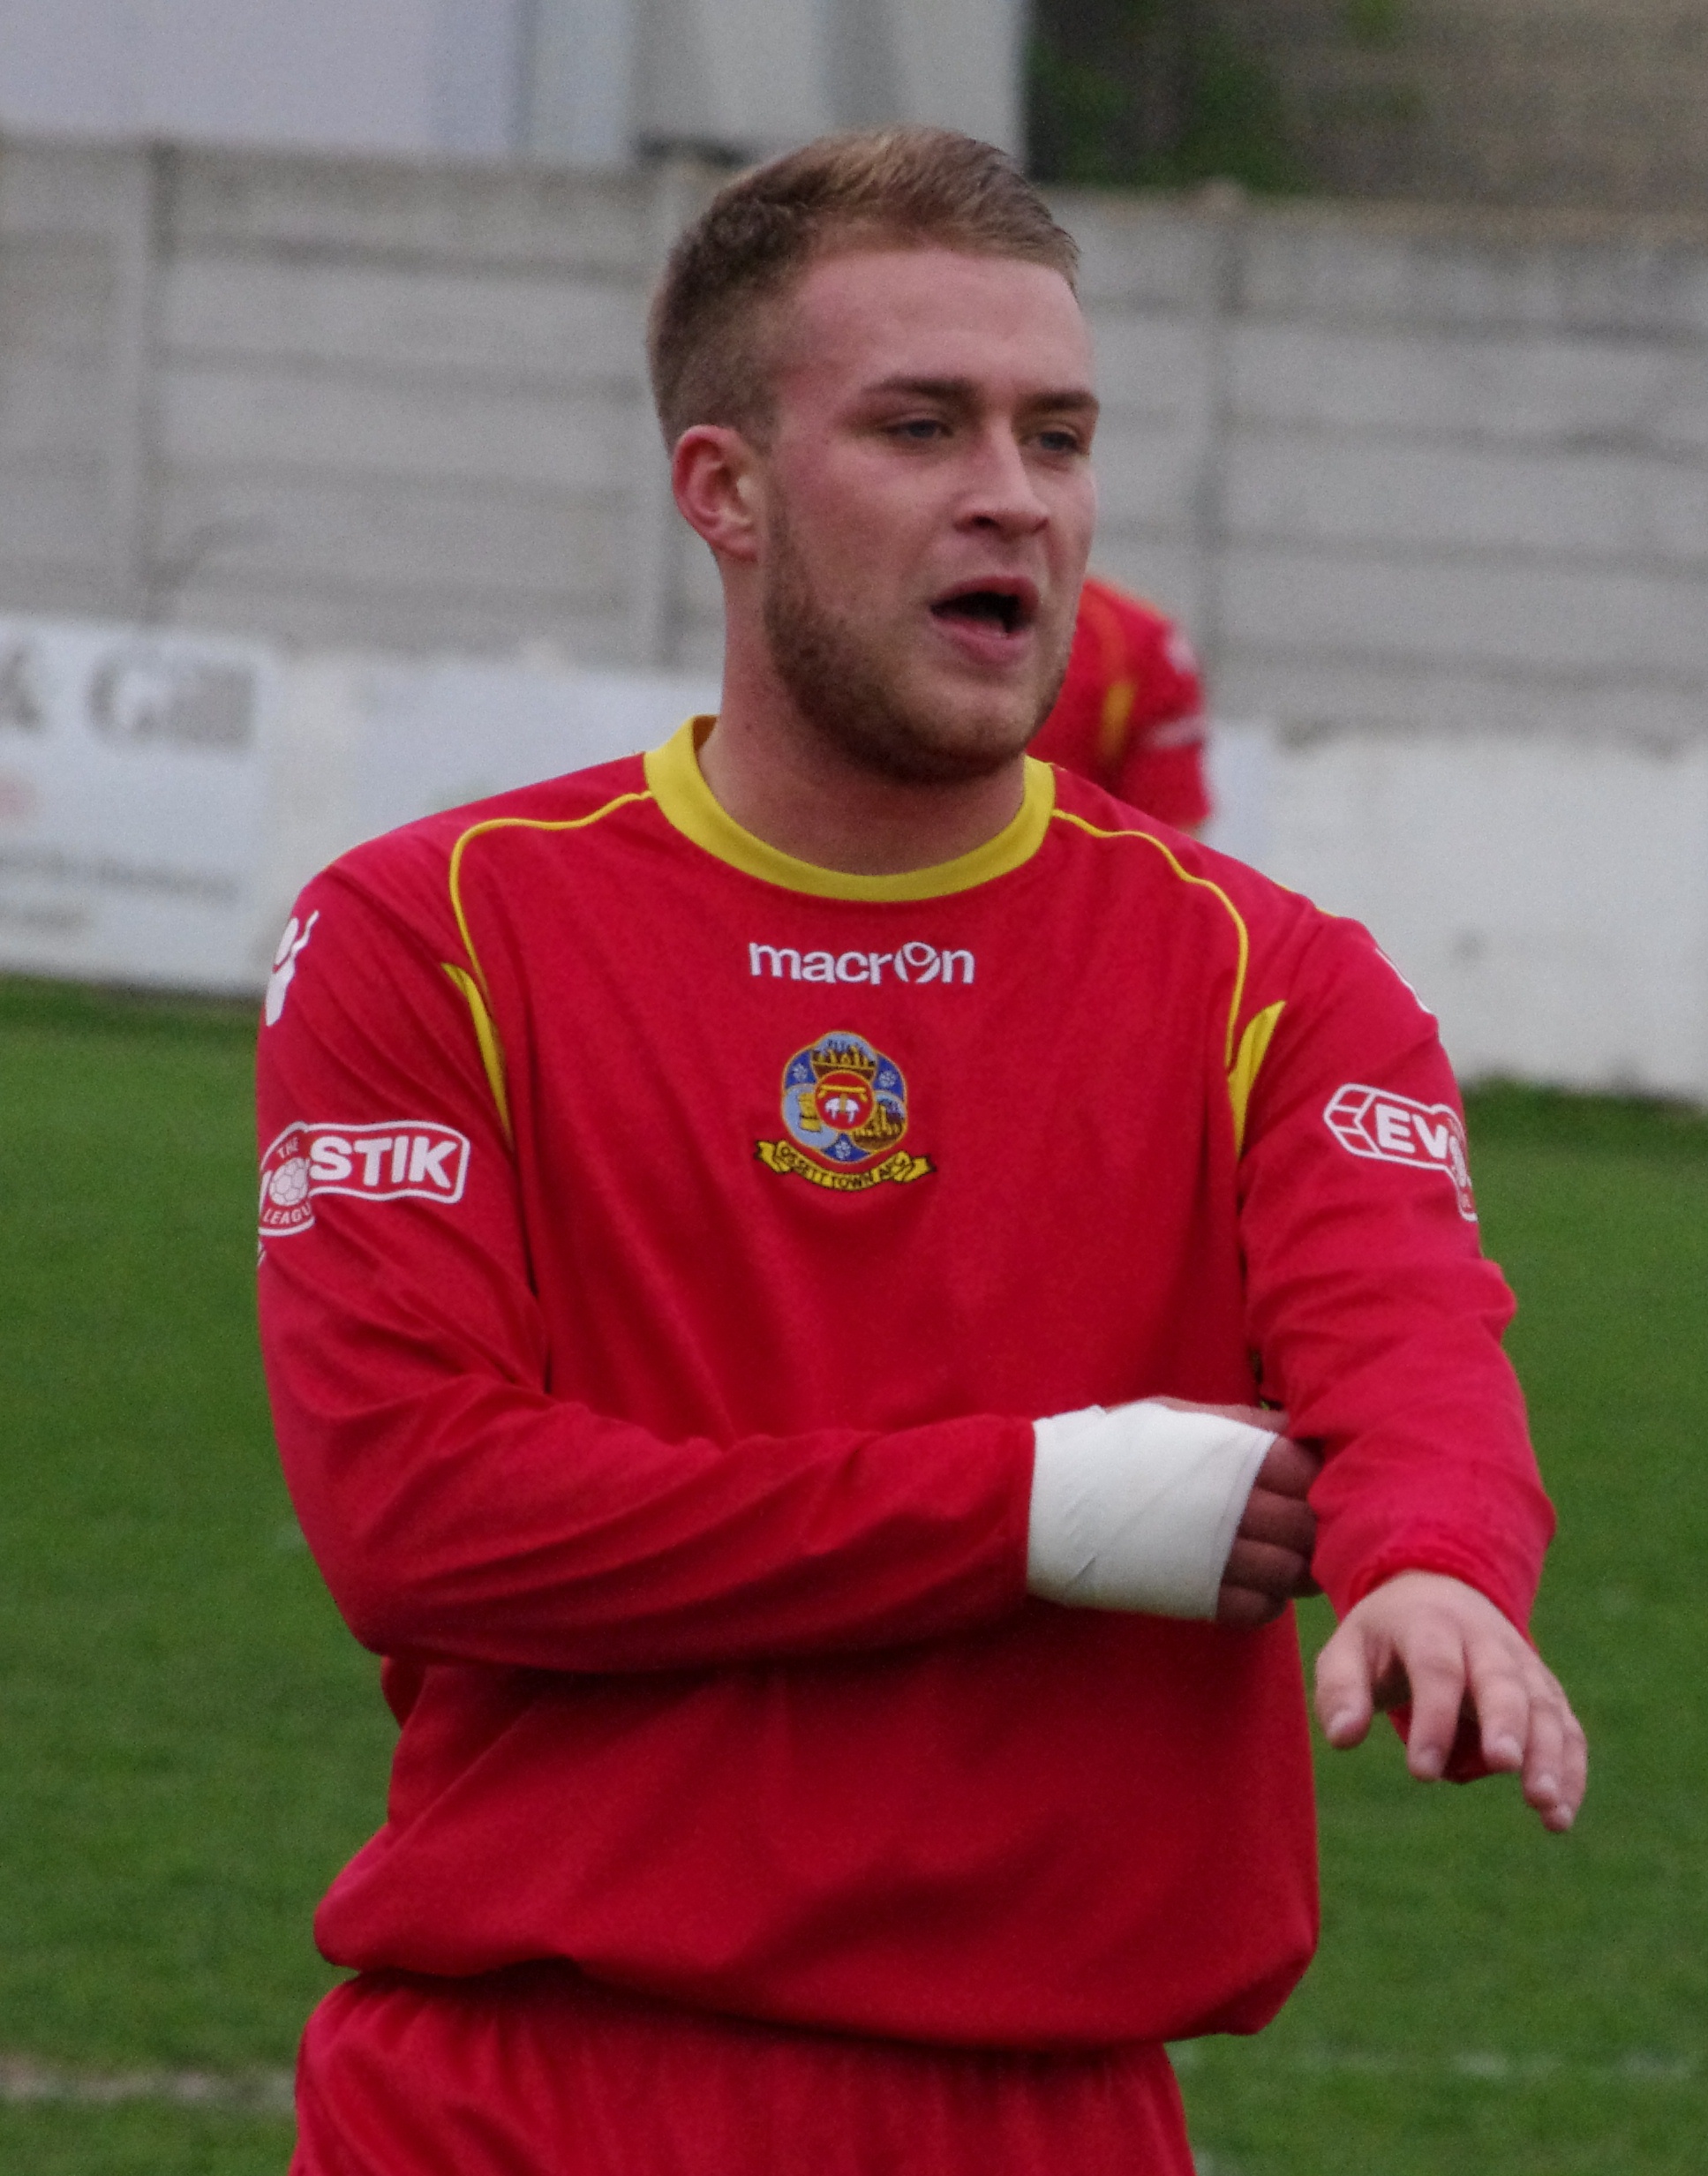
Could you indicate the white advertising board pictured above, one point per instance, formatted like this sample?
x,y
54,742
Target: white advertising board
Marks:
x,y
366,743
133,782
435,735
1240,757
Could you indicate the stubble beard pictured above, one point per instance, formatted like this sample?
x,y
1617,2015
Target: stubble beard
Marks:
x,y
847,691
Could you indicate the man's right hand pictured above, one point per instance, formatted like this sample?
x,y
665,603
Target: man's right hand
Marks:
x,y
1173,1508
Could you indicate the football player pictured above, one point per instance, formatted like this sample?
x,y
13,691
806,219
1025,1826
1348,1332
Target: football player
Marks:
x,y
785,1262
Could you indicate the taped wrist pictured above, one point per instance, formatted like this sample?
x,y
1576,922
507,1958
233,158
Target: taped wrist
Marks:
x,y
1136,1507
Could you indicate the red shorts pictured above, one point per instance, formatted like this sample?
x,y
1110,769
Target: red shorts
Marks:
x,y
539,2072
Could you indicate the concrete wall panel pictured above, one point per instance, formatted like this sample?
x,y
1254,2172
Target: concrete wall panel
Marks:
x,y
1339,377
1392,469
54,510
1147,474
1168,572
1549,620
272,527
306,421
699,587
1545,502
1316,694
553,219
47,403
1148,364
39,585
63,188
481,326
1450,268
1136,254
420,621
54,294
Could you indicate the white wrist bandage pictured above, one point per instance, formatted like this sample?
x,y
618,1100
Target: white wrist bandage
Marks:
x,y
1136,1507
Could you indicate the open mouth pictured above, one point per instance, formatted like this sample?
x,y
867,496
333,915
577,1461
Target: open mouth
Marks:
x,y
1003,609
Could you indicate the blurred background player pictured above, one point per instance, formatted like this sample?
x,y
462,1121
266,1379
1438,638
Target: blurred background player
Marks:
x,y
1129,716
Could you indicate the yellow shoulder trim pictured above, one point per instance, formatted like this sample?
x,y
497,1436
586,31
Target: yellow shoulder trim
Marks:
x,y
492,1051
1241,937
1253,1047
476,994
1243,1063
513,823
679,786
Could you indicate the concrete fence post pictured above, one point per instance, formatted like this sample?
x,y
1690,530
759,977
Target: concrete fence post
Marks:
x,y
137,249
679,186
1210,417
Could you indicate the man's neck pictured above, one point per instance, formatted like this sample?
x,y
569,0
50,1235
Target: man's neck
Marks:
x,y
799,793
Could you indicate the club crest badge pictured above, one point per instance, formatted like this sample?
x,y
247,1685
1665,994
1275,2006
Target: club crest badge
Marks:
x,y
845,1107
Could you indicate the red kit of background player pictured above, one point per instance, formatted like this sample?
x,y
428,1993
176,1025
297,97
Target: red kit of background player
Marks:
x,y
1129,716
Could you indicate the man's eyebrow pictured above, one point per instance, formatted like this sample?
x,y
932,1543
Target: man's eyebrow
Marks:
x,y
964,393
957,390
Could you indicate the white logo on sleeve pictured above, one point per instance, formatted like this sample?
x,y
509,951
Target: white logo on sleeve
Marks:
x,y
1393,1129
284,965
397,1160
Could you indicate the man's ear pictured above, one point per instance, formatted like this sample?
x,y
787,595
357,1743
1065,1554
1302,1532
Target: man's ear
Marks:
x,y
715,474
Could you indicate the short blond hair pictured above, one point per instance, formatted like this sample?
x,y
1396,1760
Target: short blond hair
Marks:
x,y
910,188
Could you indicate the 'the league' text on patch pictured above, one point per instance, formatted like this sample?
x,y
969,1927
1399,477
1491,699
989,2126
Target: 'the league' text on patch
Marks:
x,y
395,1160
1393,1129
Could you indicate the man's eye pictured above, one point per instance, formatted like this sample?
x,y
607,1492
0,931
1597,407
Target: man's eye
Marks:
x,y
1062,441
920,430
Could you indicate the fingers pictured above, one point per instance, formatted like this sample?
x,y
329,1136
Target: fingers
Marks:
x,y
1571,1780
1528,1729
1286,1521
1432,1653
1346,1679
1269,1563
1246,1607
1279,1573
1449,1651
1288,1469
1500,1700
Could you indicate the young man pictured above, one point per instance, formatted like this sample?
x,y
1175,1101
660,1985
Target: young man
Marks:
x,y
770,1252
1129,715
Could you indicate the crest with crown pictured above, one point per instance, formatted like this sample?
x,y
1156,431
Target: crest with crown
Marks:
x,y
831,1056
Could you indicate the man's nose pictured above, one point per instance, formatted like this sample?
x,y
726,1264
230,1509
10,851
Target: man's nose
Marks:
x,y
1002,492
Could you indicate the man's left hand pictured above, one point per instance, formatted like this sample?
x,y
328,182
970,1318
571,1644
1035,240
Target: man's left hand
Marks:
x,y
1448,1650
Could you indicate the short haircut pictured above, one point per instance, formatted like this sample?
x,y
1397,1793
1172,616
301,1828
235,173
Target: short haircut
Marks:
x,y
906,188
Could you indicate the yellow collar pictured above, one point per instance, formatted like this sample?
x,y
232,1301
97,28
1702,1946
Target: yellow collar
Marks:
x,y
678,786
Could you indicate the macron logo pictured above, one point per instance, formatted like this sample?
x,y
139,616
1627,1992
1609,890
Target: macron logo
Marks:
x,y
1392,1129
916,962
398,1159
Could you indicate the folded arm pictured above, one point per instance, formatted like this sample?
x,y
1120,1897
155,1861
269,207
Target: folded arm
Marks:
x,y
1380,1322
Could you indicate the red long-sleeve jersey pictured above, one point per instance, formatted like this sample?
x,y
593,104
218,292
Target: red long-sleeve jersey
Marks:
x,y
1129,716
667,1248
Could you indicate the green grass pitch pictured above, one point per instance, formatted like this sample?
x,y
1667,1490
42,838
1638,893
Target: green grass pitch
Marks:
x,y
192,1744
